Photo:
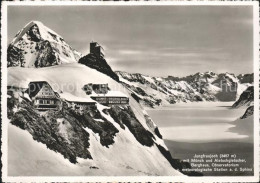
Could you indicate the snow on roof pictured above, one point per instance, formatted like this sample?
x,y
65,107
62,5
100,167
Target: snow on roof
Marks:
x,y
109,94
72,98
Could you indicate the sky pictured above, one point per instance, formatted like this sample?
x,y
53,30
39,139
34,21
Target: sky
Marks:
x,y
153,40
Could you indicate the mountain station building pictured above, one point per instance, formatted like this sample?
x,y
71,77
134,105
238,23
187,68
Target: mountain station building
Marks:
x,y
43,96
102,94
97,49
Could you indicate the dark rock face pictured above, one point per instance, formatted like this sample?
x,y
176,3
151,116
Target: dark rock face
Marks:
x,y
105,129
245,98
62,131
246,78
157,132
176,163
34,33
126,117
15,57
228,88
249,112
98,63
45,129
46,56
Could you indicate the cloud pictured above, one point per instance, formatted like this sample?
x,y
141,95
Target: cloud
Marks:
x,y
129,52
112,59
168,54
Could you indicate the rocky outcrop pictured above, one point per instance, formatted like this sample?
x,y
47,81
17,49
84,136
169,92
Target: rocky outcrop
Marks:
x,y
15,57
98,63
177,163
249,112
246,78
246,98
67,131
62,130
124,116
38,46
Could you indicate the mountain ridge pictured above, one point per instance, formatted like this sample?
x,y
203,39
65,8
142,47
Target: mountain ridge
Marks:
x,y
208,86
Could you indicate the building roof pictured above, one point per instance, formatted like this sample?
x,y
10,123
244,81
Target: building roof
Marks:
x,y
35,87
72,98
97,44
109,94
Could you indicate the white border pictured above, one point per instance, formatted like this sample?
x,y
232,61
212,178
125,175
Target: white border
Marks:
x,y
207,179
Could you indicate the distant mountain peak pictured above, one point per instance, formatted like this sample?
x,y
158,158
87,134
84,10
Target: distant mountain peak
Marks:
x,y
41,31
210,73
36,45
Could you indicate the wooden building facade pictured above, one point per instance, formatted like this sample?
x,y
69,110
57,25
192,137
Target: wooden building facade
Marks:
x,y
43,96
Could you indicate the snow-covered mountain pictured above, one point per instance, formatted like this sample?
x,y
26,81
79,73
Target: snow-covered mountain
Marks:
x,y
97,140
152,91
38,46
116,140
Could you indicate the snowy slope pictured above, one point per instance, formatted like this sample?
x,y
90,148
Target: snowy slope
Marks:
x,y
38,160
126,156
38,46
209,86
